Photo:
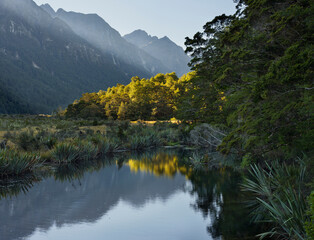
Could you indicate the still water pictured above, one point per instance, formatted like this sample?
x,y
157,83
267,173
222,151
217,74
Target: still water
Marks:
x,y
141,197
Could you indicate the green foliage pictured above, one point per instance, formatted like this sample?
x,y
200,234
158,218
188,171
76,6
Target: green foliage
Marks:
x,y
144,142
13,164
247,160
309,225
66,153
107,145
147,99
27,141
278,199
254,73
30,141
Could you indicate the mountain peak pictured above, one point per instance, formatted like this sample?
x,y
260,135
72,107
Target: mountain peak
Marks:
x,y
48,9
140,38
165,38
60,10
163,49
46,5
140,31
84,19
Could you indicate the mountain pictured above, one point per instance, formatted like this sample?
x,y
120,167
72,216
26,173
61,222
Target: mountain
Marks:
x,y
101,35
48,9
12,104
163,49
45,64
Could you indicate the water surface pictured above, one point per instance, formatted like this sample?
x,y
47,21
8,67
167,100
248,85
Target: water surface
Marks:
x,y
136,197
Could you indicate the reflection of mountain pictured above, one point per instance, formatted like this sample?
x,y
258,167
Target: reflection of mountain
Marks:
x,y
84,200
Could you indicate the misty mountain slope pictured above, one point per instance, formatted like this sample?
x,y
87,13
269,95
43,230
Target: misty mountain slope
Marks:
x,y
48,9
163,49
12,104
100,34
44,63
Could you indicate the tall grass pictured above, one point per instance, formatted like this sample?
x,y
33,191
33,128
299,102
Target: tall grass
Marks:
x,y
66,153
14,164
278,199
138,142
87,150
309,225
105,144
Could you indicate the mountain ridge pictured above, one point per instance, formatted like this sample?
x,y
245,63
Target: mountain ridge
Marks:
x,y
163,49
45,63
101,35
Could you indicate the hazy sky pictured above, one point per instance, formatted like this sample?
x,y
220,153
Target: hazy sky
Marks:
x,y
176,19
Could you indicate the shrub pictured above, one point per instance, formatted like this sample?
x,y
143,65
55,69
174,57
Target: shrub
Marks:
x,y
48,141
138,142
87,151
13,163
309,225
65,153
27,141
278,199
108,145
169,135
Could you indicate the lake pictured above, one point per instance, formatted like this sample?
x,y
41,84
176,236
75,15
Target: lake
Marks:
x,y
134,196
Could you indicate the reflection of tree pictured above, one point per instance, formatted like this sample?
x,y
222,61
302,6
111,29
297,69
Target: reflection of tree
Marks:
x,y
219,197
155,162
161,164
217,192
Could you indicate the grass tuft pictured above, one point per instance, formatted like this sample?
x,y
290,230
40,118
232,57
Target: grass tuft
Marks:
x,y
14,164
278,199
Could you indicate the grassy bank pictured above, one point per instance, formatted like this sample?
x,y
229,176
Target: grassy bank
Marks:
x,y
31,146
32,143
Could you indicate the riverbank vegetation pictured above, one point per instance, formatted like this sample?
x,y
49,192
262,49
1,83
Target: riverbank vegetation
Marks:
x,y
29,143
250,95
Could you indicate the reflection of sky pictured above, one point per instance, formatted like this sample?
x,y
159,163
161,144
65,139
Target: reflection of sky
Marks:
x,y
157,219
111,203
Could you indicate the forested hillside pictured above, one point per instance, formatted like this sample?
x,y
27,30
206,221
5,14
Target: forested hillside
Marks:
x,y
12,104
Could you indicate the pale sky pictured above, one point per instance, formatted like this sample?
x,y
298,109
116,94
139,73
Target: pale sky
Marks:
x,y
176,19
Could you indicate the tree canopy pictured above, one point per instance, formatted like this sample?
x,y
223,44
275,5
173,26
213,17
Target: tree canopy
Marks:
x,y
149,99
254,73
